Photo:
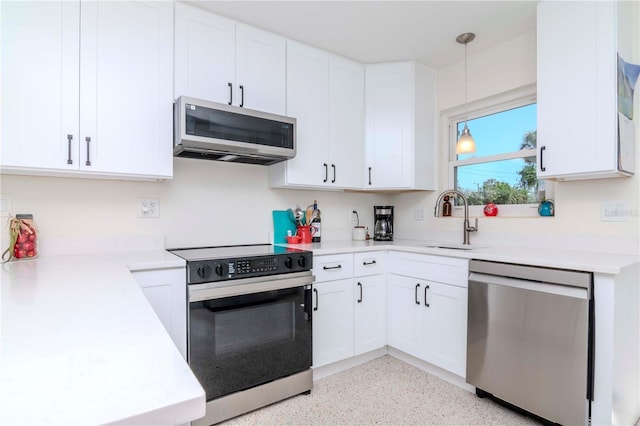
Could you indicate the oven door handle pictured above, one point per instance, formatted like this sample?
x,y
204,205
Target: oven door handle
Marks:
x,y
200,292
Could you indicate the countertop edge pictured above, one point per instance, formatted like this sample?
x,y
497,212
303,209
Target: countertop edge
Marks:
x,y
603,263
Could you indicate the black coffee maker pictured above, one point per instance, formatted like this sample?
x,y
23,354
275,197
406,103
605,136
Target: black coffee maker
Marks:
x,y
383,228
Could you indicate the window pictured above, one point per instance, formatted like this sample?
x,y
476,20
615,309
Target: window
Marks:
x,y
503,168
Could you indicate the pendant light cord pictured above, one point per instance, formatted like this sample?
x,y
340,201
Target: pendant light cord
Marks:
x,y
465,84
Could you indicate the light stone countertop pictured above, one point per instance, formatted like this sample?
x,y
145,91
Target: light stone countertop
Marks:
x,y
80,344
605,263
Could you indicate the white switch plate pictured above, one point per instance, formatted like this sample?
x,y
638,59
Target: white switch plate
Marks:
x,y
420,213
615,211
148,207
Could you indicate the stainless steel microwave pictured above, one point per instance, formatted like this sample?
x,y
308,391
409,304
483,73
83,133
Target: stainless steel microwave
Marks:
x,y
214,131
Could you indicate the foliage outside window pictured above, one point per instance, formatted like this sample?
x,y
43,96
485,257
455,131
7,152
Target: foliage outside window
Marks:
x,y
503,168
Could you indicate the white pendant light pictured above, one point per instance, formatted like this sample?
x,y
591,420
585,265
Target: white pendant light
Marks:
x,y
465,144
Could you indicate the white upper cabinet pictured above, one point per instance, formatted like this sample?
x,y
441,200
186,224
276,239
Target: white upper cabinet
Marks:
x,y
579,133
86,88
325,93
401,132
346,122
223,61
40,89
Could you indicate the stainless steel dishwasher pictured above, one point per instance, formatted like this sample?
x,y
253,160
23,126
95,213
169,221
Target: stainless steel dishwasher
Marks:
x,y
530,339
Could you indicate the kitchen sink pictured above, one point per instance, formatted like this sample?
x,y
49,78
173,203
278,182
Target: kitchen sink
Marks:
x,y
452,246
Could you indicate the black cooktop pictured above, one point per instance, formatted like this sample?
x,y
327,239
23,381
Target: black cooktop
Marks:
x,y
224,263
226,252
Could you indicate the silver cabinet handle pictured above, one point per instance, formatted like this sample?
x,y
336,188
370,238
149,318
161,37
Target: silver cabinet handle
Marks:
x,y
542,149
365,263
69,139
360,299
369,175
88,162
333,166
326,172
241,95
230,93
416,294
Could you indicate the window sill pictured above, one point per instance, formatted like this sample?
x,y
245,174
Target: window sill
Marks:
x,y
504,211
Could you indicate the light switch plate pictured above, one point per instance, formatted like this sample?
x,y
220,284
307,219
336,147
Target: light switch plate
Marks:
x,y
5,205
615,211
420,213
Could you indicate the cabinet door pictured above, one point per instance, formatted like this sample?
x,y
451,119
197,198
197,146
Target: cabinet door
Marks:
x,y
584,33
388,125
405,313
39,86
370,316
260,70
332,321
308,102
346,122
125,87
445,326
204,55
167,294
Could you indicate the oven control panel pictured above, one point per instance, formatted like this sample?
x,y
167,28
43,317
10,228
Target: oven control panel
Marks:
x,y
202,271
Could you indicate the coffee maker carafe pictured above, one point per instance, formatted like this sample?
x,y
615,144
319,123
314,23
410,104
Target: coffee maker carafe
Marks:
x,y
383,228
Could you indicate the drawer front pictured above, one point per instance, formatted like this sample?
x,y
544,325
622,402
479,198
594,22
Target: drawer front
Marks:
x,y
333,267
369,263
448,270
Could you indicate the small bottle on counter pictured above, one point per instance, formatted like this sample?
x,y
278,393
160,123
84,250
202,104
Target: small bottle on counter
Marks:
x,y
446,206
316,224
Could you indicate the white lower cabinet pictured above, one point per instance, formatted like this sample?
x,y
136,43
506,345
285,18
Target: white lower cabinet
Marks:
x,y
370,296
428,318
412,302
349,316
370,313
332,308
166,291
332,322
404,314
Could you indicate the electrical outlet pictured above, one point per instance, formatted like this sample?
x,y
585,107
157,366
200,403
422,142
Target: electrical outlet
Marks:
x,y
420,213
5,205
148,207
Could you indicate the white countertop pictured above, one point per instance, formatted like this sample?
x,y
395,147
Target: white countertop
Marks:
x,y
80,344
605,263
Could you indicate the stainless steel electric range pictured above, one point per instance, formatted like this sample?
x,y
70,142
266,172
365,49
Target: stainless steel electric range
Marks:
x,y
249,325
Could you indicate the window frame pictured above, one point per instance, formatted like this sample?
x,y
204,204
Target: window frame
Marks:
x,y
523,96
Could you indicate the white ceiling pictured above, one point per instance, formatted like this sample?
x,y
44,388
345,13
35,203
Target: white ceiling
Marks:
x,y
379,31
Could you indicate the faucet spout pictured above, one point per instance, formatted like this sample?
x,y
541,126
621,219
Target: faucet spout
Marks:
x,y
467,228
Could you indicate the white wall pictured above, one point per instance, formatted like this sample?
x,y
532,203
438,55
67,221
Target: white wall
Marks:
x,y
210,203
576,224
207,203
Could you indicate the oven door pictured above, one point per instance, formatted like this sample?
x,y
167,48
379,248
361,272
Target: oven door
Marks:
x,y
249,333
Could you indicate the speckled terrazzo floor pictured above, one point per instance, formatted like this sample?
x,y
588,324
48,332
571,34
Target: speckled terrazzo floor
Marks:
x,y
385,391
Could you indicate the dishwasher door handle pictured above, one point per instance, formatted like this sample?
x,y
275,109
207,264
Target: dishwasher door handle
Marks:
x,y
558,289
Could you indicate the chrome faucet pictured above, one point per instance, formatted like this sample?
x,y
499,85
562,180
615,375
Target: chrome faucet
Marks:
x,y
467,229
